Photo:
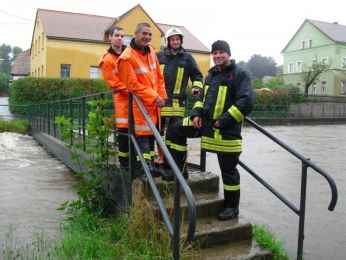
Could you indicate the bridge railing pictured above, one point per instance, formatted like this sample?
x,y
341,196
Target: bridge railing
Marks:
x,y
306,163
42,117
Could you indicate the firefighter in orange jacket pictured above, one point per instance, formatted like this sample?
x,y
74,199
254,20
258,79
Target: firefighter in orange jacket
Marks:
x,y
139,70
120,99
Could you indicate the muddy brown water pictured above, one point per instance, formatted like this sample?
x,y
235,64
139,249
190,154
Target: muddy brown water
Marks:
x,y
325,231
33,184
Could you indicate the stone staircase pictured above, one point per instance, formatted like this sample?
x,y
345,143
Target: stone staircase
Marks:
x,y
231,239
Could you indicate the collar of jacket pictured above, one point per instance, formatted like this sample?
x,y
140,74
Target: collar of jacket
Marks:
x,y
168,52
214,70
111,51
146,49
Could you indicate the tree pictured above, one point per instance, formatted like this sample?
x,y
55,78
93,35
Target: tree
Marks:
x,y
312,73
4,80
261,66
15,51
5,60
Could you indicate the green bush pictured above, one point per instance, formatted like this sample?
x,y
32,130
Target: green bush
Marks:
x,y
15,126
275,82
29,90
4,80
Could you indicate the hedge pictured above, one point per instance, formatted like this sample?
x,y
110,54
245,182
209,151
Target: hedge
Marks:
x,y
29,90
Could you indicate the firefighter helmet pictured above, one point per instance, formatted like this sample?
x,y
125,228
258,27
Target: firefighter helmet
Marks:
x,y
174,31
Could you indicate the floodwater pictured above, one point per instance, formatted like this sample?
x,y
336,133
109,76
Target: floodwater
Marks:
x,y
32,186
4,110
325,231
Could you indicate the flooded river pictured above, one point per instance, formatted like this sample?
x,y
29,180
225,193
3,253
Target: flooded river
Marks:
x,y
325,231
32,185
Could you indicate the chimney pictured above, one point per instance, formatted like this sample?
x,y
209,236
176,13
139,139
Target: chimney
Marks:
x,y
335,23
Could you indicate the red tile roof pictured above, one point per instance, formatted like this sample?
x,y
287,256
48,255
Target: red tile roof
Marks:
x,y
21,66
87,27
66,25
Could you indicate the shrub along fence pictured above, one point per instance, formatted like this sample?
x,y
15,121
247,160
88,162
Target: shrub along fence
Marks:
x,y
31,90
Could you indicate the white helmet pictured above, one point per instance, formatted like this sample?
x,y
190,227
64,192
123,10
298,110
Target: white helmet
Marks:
x,y
174,31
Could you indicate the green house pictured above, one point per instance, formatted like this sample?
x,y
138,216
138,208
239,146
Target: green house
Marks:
x,y
317,41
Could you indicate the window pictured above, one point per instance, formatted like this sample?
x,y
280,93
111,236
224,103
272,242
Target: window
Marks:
x,y
42,70
291,67
94,72
310,43
38,44
303,44
342,87
65,70
127,39
42,41
313,61
324,60
343,62
314,88
324,87
299,66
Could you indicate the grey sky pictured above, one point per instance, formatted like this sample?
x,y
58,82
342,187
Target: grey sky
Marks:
x,y
250,27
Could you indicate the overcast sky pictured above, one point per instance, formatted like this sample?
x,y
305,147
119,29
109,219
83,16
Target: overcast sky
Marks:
x,y
251,27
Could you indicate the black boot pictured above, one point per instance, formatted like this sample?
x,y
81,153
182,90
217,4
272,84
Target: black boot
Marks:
x,y
141,173
229,213
155,170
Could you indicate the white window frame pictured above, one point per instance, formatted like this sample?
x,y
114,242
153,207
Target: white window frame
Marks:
x,y
127,39
290,68
94,72
299,66
65,71
324,87
343,62
302,44
314,88
310,43
324,60
342,87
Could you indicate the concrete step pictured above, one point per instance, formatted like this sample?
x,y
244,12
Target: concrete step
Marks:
x,y
199,182
244,250
208,204
212,232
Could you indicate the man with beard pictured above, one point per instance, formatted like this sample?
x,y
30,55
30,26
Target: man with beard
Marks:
x,y
217,117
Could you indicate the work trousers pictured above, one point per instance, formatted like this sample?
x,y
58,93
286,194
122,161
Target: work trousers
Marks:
x,y
123,144
176,141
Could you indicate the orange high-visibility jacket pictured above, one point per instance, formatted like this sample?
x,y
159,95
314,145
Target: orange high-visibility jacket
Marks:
x,y
120,98
140,72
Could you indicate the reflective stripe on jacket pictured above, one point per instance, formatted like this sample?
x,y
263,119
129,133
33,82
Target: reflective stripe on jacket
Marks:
x,y
120,98
177,70
140,73
227,97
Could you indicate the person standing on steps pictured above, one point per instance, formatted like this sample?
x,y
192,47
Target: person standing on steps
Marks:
x,y
178,67
227,97
139,70
120,95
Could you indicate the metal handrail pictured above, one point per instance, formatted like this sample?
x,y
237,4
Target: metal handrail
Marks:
x,y
305,164
179,182
43,111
